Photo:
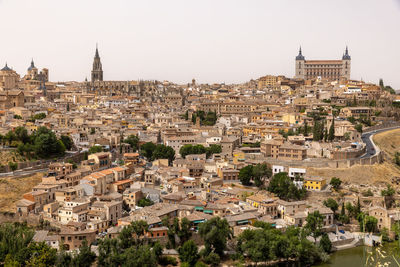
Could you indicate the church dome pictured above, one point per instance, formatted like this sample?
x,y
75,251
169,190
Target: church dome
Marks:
x,y
6,68
32,66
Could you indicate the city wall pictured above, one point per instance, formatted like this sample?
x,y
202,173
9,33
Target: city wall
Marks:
x,y
10,217
334,164
40,164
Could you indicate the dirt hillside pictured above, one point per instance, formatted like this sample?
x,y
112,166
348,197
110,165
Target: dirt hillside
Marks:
x,y
12,189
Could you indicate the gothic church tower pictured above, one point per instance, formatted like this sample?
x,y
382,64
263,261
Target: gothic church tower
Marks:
x,y
97,71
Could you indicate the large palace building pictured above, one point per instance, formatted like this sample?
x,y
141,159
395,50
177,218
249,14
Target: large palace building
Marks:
x,y
325,69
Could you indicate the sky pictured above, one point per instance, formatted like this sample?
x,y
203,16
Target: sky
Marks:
x,y
212,41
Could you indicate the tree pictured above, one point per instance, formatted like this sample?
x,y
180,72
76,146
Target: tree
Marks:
x,y
39,116
256,244
343,217
13,165
46,144
189,253
314,224
213,149
144,202
213,259
357,208
215,233
367,223
191,149
305,128
133,141
9,137
284,188
331,134
85,257
164,152
41,255
139,256
21,134
318,130
67,141
268,243
359,128
347,136
332,204
351,210
147,149
335,183
325,243
260,173
397,158
64,259
14,241
180,229
95,149
245,174
388,192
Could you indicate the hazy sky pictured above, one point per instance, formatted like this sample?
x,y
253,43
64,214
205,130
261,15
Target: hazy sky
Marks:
x,y
210,40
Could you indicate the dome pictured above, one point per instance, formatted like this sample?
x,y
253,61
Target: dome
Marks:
x,y
32,66
6,68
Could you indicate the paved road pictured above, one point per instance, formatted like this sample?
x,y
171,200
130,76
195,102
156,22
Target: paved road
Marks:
x,y
22,172
371,148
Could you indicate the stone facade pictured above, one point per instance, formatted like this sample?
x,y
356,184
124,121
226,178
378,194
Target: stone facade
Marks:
x,y
326,69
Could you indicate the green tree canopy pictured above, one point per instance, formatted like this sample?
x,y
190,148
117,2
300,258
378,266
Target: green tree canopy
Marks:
x,y
284,188
332,204
245,174
335,183
314,224
95,149
189,253
67,141
147,149
163,152
133,141
215,233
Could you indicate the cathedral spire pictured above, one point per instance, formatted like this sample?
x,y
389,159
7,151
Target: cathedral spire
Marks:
x,y
97,70
97,52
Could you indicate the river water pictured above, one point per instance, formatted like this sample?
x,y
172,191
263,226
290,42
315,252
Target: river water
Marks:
x,y
363,256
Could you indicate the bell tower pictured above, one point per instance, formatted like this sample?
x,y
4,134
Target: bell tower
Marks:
x,y
346,64
97,71
300,66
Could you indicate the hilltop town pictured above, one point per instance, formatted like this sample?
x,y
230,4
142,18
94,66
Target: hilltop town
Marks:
x,y
274,152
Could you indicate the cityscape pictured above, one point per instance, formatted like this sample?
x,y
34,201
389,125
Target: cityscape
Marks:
x,y
299,168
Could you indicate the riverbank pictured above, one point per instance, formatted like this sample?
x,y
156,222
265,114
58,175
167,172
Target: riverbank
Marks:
x,y
363,256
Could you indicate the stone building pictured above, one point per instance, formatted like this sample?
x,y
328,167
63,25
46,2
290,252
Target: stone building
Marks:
x,y
97,71
326,69
11,98
34,74
9,78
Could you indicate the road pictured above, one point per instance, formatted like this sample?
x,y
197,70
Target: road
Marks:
x,y
22,172
371,148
